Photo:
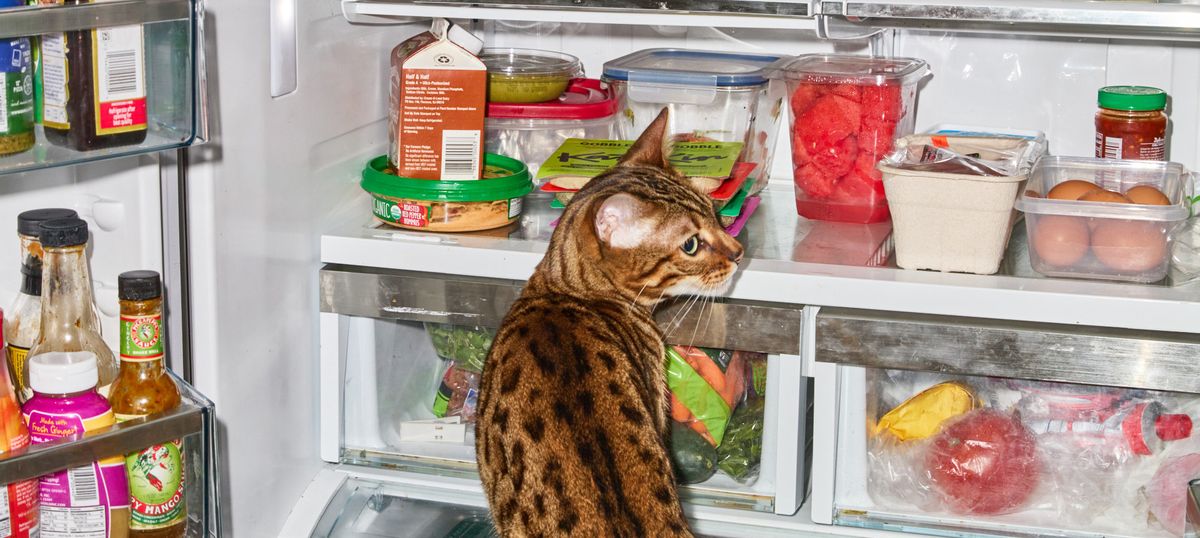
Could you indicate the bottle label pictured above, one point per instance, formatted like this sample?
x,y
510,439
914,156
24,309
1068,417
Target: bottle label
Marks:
x,y
16,86
18,500
17,357
118,68
141,338
76,502
54,81
156,484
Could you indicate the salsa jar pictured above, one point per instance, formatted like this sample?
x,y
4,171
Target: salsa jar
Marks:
x,y
1131,123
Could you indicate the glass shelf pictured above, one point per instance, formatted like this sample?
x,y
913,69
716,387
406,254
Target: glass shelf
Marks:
x,y
171,79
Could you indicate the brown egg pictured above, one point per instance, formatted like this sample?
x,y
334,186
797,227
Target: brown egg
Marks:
x,y
1147,195
1071,189
1059,240
1129,245
1101,195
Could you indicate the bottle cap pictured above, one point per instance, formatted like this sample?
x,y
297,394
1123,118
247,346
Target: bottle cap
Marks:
x,y
139,285
29,221
1132,98
59,372
31,281
68,232
1173,427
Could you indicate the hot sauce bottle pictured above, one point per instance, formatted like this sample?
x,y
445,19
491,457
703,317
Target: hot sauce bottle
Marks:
x,y
18,500
143,387
1131,123
93,86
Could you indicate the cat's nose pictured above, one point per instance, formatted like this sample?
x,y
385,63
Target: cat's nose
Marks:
x,y
736,254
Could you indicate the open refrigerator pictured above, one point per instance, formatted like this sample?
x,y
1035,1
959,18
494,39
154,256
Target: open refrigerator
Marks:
x,y
304,322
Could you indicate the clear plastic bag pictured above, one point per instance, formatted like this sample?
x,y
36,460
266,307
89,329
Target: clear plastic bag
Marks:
x,y
458,394
740,453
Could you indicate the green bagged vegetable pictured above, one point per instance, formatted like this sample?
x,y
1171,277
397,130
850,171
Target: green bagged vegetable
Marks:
x,y
466,346
741,451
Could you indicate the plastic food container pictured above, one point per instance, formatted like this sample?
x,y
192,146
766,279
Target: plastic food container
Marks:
x,y
955,220
467,346
846,111
712,96
448,206
530,132
1104,240
527,75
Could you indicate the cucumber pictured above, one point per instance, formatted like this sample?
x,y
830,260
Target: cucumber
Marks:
x,y
692,457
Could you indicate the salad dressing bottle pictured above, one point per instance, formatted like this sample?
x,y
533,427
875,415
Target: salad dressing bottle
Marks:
x,y
143,387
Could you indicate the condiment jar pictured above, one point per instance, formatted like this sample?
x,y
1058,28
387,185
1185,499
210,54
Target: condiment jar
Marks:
x,y
1131,123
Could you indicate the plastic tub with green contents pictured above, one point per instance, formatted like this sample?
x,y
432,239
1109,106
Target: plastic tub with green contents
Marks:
x,y
448,206
528,75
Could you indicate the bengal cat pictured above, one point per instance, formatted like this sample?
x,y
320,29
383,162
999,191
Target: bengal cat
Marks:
x,y
572,428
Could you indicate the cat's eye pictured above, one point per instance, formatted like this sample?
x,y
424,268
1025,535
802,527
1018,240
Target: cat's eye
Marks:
x,y
691,245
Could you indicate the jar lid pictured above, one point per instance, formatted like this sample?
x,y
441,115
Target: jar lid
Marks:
x,y
690,67
139,285
585,99
849,69
1132,98
513,185
68,232
59,372
530,62
29,221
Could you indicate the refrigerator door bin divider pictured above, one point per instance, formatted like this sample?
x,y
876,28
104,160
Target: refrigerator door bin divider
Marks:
x,y
172,83
193,422
1060,382
379,370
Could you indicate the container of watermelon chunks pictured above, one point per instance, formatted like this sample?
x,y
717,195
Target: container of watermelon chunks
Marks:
x,y
846,112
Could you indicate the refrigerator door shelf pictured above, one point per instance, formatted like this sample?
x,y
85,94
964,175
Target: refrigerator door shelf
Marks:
x,y
790,14
193,422
1102,453
170,79
380,370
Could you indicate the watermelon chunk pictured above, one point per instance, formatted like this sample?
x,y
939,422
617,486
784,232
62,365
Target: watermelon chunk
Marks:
x,y
838,159
813,182
804,96
829,120
881,103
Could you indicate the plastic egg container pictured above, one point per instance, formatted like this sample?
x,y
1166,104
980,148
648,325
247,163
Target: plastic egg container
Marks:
x,y
1104,240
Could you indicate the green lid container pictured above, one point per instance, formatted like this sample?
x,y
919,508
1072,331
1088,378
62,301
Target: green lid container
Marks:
x,y
514,185
1132,98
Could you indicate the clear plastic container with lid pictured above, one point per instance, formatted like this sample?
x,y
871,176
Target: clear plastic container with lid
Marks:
x,y
1104,240
528,75
1131,123
712,96
846,113
530,132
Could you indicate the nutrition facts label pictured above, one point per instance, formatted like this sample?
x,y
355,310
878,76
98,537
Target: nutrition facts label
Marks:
x,y
84,522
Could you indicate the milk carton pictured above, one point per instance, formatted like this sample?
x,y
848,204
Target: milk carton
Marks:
x,y
438,99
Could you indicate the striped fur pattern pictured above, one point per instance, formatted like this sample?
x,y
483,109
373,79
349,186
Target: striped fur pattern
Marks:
x,y
572,425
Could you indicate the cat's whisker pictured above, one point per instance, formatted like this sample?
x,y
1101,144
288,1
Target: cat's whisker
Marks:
x,y
707,299
681,315
639,294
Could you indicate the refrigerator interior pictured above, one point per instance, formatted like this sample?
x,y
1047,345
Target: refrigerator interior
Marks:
x,y
283,164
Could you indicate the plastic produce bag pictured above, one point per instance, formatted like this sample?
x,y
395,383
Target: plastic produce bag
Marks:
x,y
740,453
466,346
985,462
705,386
458,394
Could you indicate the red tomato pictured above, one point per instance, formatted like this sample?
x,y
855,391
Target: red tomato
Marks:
x,y
984,463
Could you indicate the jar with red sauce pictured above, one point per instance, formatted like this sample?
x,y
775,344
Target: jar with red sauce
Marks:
x,y
1131,123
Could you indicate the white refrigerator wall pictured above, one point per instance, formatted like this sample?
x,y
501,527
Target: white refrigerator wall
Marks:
x,y
281,170
120,200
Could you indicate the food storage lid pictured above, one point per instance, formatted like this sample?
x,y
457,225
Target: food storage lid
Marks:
x,y
513,185
1132,98
67,232
59,372
530,62
584,99
28,222
690,67
1172,179
849,69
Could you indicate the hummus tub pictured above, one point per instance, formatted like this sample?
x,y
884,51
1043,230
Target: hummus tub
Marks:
x,y
448,206
528,75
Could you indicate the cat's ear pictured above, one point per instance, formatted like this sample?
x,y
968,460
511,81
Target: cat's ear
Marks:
x,y
654,145
621,221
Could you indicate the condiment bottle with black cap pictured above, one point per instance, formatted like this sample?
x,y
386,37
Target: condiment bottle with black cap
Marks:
x,y
156,478
24,320
69,322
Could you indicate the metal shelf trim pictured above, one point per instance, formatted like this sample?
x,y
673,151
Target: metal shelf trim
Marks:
x,y
44,19
982,347
123,438
476,301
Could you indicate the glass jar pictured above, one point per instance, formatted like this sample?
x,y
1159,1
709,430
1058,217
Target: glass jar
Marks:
x,y
1131,123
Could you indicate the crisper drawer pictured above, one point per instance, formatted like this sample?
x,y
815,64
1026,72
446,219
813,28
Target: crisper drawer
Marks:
x,y
192,423
402,352
961,427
